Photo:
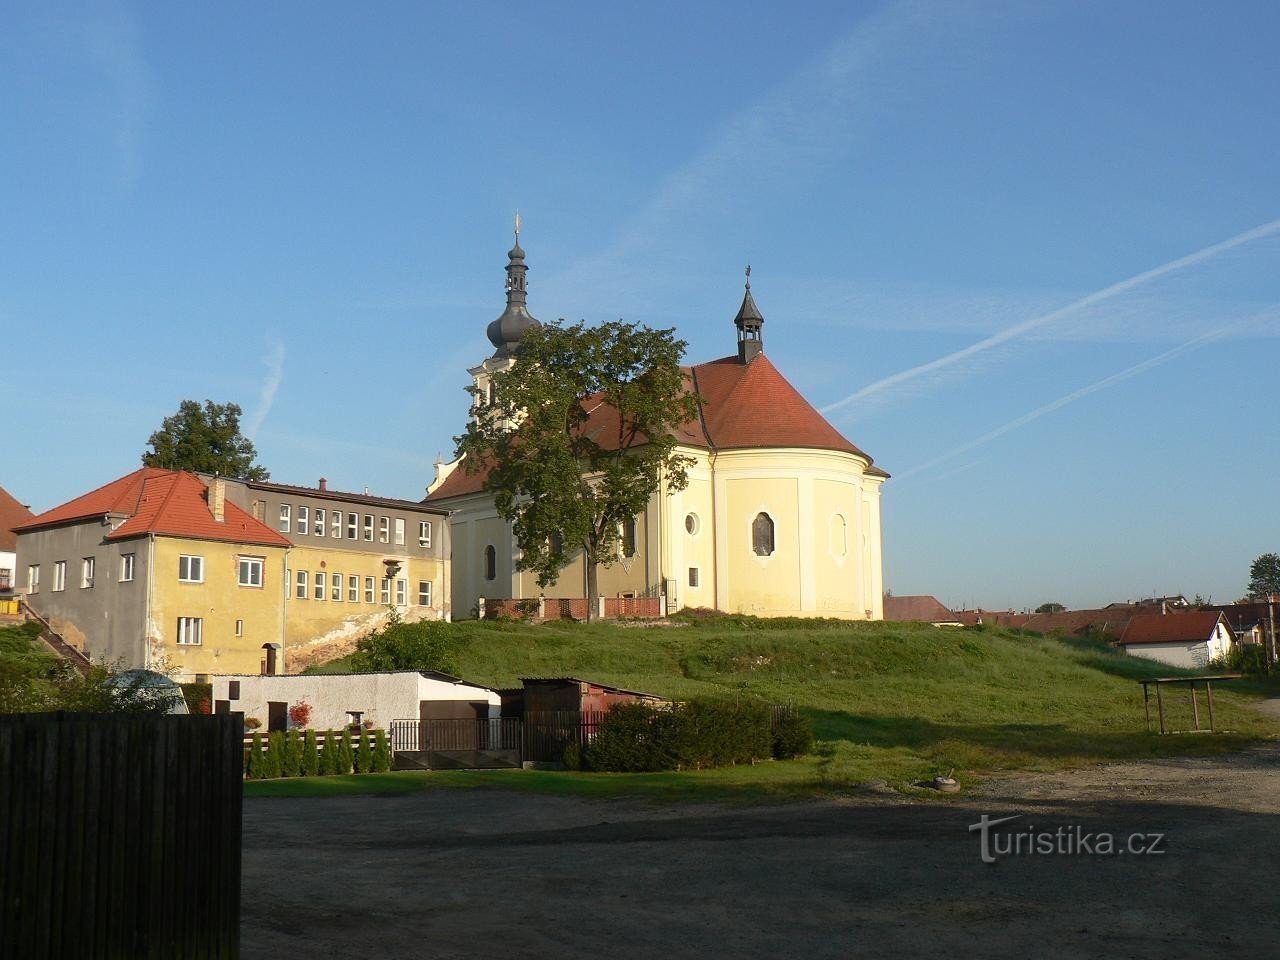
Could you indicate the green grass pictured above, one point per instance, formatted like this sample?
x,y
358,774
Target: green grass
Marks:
x,y
893,701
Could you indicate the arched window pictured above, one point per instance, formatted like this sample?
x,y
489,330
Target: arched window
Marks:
x,y
629,537
555,542
762,535
493,393
490,563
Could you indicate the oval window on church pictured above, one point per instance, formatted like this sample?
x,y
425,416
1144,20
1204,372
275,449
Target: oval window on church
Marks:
x,y
762,535
691,524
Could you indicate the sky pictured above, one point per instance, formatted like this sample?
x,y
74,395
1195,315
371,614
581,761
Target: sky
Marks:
x,y
1027,255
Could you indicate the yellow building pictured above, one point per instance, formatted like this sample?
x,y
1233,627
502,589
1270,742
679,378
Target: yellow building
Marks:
x,y
157,570
780,517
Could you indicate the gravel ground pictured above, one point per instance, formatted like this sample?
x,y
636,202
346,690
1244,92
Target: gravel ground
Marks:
x,y
479,873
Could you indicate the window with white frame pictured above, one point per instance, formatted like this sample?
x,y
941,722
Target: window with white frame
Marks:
x,y
335,525
300,584
385,592
190,569
424,533
190,631
627,537
353,589
402,592
33,578
424,593
239,628
399,531
304,520
353,526
249,571
285,515
87,567
368,589
319,518
126,567
384,529
335,584
368,527
319,591
59,576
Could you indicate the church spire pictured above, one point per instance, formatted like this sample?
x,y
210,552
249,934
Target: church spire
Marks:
x,y
505,332
749,322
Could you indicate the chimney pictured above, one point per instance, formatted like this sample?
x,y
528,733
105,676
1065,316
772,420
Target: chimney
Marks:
x,y
324,484
218,498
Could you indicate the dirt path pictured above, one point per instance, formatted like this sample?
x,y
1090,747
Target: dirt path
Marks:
x,y
478,873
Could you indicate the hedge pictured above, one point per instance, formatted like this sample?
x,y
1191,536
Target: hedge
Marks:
x,y
299,754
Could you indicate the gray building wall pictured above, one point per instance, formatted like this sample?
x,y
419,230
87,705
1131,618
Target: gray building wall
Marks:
x,y
106,620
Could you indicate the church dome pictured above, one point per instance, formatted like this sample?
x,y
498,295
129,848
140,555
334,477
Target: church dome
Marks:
x,y
506,332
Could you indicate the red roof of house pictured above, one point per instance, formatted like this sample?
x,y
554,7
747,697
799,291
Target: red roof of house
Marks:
x,y
12,513
745,406
169,502
926,608
1170,627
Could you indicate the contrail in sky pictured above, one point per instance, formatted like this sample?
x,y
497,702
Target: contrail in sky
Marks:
x,y
1017,330
1072,397
275,374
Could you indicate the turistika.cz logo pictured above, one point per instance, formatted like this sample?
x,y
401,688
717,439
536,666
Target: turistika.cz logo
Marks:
x,y
1070,841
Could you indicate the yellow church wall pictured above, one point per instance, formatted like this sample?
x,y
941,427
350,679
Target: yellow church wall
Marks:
x,y
218,601
685,550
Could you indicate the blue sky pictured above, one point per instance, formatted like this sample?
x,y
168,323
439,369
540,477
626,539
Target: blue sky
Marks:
x,y
1026,255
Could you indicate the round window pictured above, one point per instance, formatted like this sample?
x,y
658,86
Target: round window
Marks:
x,y
691,523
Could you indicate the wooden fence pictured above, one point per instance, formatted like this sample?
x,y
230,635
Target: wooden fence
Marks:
x,y
120,836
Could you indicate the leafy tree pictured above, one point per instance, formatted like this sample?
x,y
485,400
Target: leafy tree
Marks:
x,y
206,439
565,489
1264,576
310,755
1050,608
427,645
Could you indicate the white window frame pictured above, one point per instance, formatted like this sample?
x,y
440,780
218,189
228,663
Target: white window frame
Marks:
x,y
402,592
353,526
194,565
369,587
286,518
304,520
399,531
190,631
239,628
321,588
335,524
424,593
368,527
244,564
301,584
88,567
384,594
127,561
353,589
384,529
335,587
424,533
318,518
33,578
59,576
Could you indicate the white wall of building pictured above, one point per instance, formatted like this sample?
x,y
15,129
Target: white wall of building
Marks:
x,y
1190,655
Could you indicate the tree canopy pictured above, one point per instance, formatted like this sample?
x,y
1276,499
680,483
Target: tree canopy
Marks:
x,y
206,439
426,645
565,488
1050,607
1264,576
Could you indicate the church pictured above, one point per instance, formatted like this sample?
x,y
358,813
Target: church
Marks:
x,y
780,516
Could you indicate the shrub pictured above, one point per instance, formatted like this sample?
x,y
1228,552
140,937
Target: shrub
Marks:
x,y
633,738
364,753
346,753
382,758
427,645
300,713
253,766
310,755
331,758
199,696
291,755
792,734
273,760
704,732
572,757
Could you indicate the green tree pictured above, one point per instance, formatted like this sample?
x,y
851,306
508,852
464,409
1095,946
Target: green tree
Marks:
x,y
310,755
1050,608
1264,576
426,645
565,487
206,439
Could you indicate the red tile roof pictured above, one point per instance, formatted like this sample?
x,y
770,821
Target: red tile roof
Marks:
x,y
12,513
744,407
169,502
926,608
1170,627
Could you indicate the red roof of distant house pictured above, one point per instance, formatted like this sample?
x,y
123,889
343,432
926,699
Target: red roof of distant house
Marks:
x,y
745,406
1170,627
12,513
169,502
926,608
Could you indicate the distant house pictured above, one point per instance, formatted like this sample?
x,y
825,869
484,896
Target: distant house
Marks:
x,y
12,513
337,700
1179,639
922,608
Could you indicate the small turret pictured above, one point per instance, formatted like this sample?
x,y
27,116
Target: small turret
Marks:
x,y
749,322
505,332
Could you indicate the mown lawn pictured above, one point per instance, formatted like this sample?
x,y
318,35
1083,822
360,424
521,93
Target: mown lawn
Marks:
x,y
891,701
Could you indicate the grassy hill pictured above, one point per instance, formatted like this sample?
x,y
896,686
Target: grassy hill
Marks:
x,y
891,701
